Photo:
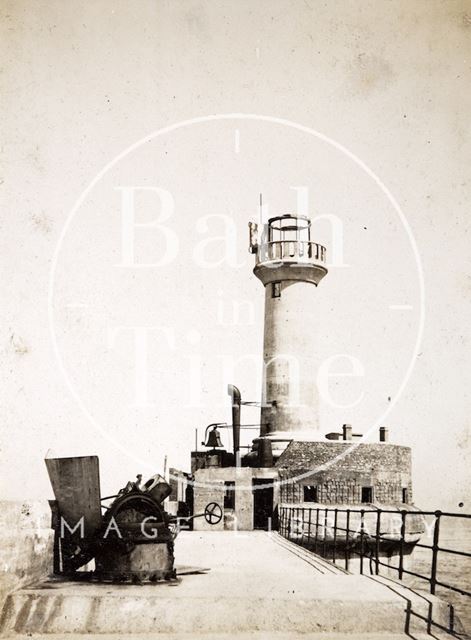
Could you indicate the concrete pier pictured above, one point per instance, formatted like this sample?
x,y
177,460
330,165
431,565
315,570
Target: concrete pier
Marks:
x,y
257,585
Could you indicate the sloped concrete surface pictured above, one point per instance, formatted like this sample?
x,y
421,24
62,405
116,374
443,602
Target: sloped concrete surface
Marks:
x,y
258,584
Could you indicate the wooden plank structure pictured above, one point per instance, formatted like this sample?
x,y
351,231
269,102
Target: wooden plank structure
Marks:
x,y
76,485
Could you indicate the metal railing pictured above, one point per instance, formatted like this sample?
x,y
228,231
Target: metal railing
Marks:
x,y
319,530
297,250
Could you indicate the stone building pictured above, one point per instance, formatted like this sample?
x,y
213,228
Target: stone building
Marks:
x,y
328,473
307,474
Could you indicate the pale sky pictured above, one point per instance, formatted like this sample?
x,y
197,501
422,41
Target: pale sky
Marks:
x,y
362,105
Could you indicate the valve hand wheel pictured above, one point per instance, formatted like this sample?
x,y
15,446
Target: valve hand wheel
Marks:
x,y
213,513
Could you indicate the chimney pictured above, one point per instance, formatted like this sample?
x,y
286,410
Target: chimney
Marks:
x,y
347,431
383,434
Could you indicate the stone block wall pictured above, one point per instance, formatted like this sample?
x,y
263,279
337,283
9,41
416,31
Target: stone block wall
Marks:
x,y
339,470
209,487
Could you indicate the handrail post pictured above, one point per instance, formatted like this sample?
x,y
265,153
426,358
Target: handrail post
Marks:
x,y
347,536
324,546
309,529
334,549
317,526
378,534
362,538
302,525
436,537
401,543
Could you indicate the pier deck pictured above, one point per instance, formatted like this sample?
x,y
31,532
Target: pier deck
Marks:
x,y
258,586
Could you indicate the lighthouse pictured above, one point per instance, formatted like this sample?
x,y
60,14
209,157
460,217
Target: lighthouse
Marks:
x,y
293,465
290,265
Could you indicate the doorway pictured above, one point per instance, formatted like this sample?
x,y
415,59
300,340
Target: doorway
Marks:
x,y
262,503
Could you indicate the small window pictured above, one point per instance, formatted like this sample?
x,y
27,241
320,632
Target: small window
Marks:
x,y
229,495
405,495
310,493
367,494
275,289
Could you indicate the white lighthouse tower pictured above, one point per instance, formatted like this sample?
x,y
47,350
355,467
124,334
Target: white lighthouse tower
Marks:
x,y
288,263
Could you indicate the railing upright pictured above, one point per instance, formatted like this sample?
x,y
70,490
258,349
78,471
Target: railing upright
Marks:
x,y
309,529
436,538
347,538
334,548
317,527
377,539
324,546
401,544
362,538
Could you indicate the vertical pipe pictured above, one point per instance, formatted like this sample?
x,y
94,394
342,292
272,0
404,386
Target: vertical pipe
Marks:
x,y
362,538
436,538
234,392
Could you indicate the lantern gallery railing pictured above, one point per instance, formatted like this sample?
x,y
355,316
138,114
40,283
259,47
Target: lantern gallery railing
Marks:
x,y
342,534
296,250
